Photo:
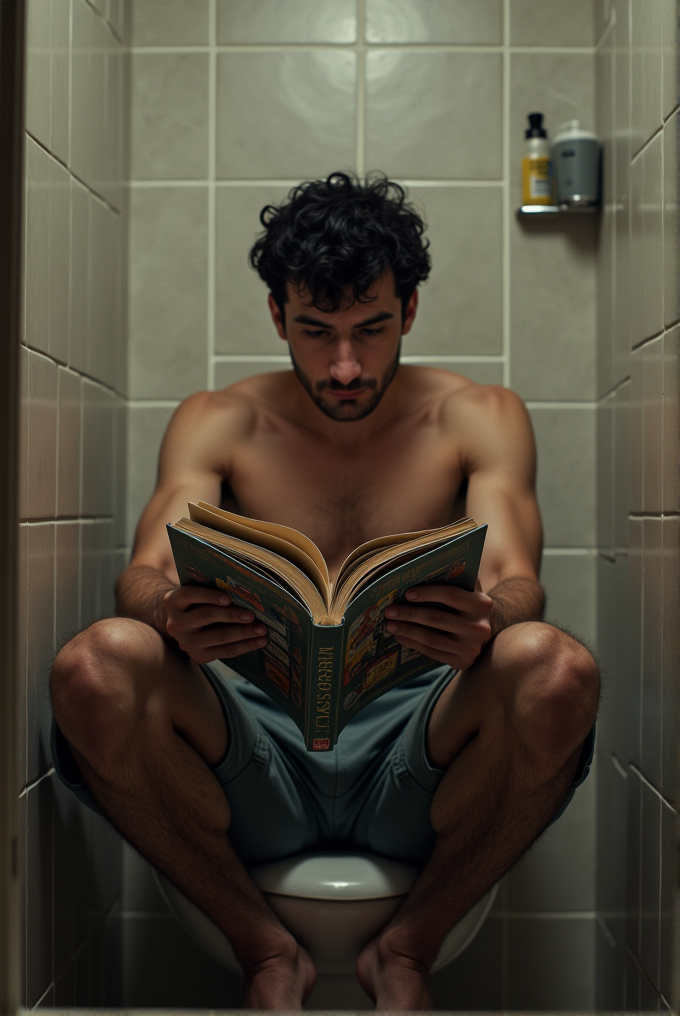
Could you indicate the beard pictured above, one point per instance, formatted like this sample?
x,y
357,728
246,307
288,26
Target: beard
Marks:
x,y
348,410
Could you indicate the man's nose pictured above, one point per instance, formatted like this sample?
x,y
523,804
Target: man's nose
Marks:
x,y
345,366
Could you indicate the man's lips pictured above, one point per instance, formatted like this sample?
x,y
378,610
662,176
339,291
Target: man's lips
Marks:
x,y
345,396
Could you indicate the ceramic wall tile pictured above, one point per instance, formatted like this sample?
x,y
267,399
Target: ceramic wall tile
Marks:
x,y
553,330
103,309
610,971
669,38
37,248
285,21
605,129
97,142
98,451
602,16
141,894
42,436
650,850
635,617
610,882
550,963
120,418
96,571
669,845
570,585
606,410
59,112
647,241
146,427
647,28
39,70
653,451
671,408
59,261
69,429
169,124
24,355
566,475
610,694
22,653
243,324
637,419
116,15
461,22
650,883
434,115
162,966
633,856
670,741
622,287
632,993
168,291
114,123
533,23
460,309
67,564
287,114
671,184
70,863
621,480
80,276
652,650
230,373
557,874
39,890
40,646
82,112
170,23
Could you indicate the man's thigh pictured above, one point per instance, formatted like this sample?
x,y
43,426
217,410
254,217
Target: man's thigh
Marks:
x,y
121,676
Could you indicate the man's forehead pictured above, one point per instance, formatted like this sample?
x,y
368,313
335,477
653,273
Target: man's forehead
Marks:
x,y
380,295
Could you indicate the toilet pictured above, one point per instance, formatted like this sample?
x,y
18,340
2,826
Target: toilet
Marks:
x,y
333,903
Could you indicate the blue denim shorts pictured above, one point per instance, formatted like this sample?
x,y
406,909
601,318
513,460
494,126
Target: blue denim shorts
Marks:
x,y
373,792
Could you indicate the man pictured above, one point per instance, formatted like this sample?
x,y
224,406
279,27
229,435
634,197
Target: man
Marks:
x,y
460,770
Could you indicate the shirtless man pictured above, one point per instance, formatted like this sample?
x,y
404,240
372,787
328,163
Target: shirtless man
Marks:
x,y
460,770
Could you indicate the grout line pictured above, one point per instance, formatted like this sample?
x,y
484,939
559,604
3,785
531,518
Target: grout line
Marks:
x,y
602,924
212,159
44,995
650,338
567,915
617,765
66,520
153,403
266,182
555,404
399,47
32,786
462,358
570,552
95,194
506,220
246,358
73,370
361,88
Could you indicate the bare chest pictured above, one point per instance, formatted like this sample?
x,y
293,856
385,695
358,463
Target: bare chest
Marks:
x,y
341,498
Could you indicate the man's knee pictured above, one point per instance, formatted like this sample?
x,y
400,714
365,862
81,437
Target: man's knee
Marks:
x,y
92,685
557,697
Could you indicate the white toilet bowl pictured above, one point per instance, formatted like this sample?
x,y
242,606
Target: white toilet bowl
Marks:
x,y
333,903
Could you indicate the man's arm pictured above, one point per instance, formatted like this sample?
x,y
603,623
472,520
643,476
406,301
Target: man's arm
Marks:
x,y
499,459
201,621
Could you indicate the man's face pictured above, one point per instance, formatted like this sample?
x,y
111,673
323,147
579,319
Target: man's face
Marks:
x,y
346,359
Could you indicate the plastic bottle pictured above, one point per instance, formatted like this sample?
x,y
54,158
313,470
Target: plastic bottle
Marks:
x,y
577,167
537,179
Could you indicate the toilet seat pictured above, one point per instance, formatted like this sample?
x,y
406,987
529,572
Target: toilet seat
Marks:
x,y
334,903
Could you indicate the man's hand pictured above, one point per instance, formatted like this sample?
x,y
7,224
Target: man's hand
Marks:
x,y
445,623
207,627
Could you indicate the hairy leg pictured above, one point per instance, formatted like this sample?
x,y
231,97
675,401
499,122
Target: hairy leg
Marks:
x,y
509,732
144,726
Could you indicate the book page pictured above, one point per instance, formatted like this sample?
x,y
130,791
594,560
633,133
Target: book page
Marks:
x,y
282,539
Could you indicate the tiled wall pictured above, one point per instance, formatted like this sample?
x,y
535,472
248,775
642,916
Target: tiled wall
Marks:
x,y
638,497
234,102
72,464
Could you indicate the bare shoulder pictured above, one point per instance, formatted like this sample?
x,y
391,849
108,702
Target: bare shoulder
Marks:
x,y
486,421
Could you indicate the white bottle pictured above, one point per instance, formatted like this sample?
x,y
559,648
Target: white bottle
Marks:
x,y
576,156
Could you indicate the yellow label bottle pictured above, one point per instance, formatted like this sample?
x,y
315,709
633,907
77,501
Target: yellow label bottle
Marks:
x,y
537,174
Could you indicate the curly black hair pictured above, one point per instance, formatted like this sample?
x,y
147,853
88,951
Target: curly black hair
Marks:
x,y
336,237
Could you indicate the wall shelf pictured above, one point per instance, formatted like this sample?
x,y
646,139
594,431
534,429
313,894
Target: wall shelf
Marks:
x,y
531,210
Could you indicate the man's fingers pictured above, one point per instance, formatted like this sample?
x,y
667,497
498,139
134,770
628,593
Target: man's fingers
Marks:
x,y
222,635
205,613
227,651
458,599
452,659
185,596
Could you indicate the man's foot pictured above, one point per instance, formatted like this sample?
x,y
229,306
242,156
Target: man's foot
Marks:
x,y
282,981
394,981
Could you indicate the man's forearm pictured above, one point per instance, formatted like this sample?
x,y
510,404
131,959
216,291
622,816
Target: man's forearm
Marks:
x,y
139,593
514,600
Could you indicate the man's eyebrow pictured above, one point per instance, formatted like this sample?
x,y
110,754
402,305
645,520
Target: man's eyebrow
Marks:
x,y
304,319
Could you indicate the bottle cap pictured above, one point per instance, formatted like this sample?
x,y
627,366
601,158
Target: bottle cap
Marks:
x,y
535,128
571,130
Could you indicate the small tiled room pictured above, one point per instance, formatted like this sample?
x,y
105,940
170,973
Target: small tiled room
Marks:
x,y
155,132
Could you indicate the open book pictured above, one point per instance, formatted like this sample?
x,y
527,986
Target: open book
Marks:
x,y
328,655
